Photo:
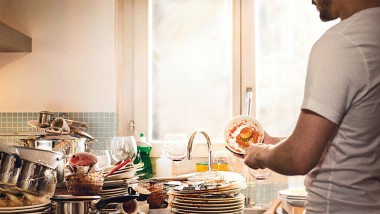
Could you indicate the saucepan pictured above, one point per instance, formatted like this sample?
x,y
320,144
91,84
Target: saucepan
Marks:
x,y
67,204
45,119
10,168
50,159
10,163
36,179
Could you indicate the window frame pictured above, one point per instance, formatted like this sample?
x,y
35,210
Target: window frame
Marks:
x,y
133,66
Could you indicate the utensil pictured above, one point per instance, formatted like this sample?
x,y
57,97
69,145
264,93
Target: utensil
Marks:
x,y
92,164
118,167
70,169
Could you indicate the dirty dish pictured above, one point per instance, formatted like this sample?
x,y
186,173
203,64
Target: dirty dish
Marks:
x,y
241,132
82,159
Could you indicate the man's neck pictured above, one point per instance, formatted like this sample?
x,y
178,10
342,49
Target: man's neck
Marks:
x,y
349,8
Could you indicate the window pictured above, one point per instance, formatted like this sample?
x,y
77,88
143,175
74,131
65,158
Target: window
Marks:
x,y
191,73
285,33
190,62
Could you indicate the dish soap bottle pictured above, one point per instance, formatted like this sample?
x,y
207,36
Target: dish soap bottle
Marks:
x,y
143,150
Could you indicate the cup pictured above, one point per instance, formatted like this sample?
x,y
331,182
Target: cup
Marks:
x,y
129,207
224,161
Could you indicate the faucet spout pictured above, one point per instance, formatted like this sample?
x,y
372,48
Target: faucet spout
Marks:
x,y
190,147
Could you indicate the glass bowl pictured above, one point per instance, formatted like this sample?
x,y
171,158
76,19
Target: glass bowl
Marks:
x,y
85,184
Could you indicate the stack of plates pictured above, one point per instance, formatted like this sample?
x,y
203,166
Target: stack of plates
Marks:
x,y
35,209
294,197
116,187
185,204
127,172
117,183
215,192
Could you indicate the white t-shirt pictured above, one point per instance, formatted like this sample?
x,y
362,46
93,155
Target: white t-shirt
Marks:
x,y
343,85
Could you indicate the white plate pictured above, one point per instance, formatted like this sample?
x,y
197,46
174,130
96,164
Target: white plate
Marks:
x,y
125,175
240,197
114,183
234,130
33,123
195,210
208,204
293,193
113,190
25,209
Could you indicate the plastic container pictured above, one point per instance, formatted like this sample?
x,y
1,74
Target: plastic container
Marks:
x,y
143,150
163,166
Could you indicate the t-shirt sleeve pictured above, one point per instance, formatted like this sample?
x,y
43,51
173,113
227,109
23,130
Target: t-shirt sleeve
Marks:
x,y
333,77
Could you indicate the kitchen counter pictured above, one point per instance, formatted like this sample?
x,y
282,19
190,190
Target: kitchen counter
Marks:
x,y
22,133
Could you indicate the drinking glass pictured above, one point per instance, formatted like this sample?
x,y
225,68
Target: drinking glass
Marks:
x,y
123,148
261,176
104,157
175,147
222,161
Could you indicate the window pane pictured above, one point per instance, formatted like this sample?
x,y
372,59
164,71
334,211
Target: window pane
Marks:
x,y
191,70
285,33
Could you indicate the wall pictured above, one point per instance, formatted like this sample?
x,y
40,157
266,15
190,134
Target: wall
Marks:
x,y
72,64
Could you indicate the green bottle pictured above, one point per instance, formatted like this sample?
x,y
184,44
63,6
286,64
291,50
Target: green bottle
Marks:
x,y
143,150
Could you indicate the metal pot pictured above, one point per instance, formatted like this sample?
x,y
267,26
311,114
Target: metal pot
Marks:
x,y
27,142
67,204
36,179
45,119
10,168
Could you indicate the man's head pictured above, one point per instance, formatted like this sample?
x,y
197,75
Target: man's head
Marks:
x,y
325,10
333,9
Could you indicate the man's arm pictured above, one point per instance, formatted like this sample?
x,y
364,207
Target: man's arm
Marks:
x,y
300,152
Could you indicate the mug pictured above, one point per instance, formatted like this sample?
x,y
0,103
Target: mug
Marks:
x,y
129,207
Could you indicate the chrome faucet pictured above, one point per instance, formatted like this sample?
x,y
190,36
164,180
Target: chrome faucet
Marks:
x,y
190,146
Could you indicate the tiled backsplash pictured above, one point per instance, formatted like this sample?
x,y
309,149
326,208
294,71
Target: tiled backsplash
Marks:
x,y
101,125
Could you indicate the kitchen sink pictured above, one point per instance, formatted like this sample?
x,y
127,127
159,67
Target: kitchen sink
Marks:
x,y
253,211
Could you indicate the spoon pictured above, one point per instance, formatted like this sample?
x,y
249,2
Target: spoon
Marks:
x,y
90,167
117,167
70,169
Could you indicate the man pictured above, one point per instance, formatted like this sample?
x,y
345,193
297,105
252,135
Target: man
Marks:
x,y
336,141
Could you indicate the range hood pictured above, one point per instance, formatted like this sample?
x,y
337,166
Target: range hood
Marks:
x,y
12,40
